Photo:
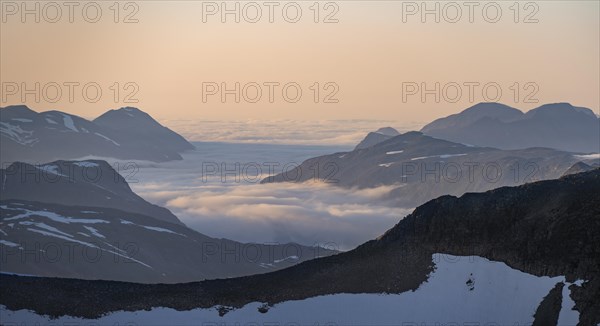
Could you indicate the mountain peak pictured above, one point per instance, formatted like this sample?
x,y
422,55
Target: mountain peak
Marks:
x,y
562,109
125,113
132,110
17,111
376,137
555,106
387,131
18,108
487,106
126,116
129,120
413,133
492,110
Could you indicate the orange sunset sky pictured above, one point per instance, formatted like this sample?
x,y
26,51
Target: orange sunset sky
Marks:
x,y
176,47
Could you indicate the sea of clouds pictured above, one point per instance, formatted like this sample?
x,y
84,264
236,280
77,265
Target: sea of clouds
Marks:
x,y
231,203
285,131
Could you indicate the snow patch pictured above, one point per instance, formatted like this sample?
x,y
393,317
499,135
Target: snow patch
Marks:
x,y
50,234
440,156
8,243
158,229
394,152
500,295
94,232
68,122
152,228
52,169
567,315
421,158
45,227
451,155
52,216
18,135
106,138
277,261
86,164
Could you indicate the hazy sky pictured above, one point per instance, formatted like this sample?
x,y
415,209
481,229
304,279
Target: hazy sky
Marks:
x,y
374,54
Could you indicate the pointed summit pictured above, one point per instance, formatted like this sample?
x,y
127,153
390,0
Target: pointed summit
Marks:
x,y
17,111
130,121
376,137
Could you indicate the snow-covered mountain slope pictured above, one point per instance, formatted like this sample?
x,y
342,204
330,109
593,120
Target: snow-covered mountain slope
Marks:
x,y
460,289
88,207
558,125
91,183
81,242
128,133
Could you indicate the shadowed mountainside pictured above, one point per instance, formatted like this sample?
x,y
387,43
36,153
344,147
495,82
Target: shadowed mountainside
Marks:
x,y
546,228
419,168
558,125
127,133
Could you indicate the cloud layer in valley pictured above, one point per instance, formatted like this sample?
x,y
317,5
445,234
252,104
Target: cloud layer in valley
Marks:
x,y
218,205
306,213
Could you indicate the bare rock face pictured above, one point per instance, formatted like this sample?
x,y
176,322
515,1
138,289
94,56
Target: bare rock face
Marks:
x,y
549,309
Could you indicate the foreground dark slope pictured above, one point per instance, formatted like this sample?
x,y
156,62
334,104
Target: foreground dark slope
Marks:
x,y
547,228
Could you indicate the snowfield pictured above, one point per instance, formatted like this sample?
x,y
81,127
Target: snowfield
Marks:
x,y
459,290
50,215
18,135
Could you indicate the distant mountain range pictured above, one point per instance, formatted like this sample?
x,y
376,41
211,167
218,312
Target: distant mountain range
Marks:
x,y
560,126
89,208
542,241
420,168
126,133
